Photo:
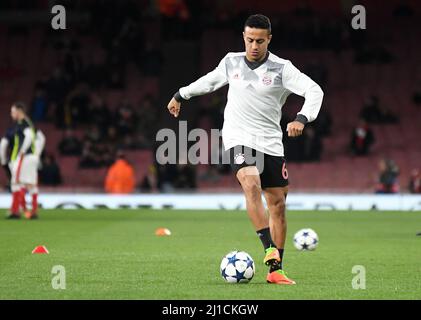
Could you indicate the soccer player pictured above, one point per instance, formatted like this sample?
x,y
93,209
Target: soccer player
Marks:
x,y
259,83
23,139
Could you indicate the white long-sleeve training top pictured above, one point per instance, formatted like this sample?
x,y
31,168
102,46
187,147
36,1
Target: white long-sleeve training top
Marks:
x,y
257,92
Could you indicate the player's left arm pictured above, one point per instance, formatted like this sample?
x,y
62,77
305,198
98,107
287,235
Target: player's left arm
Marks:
x,y
302,85
39,142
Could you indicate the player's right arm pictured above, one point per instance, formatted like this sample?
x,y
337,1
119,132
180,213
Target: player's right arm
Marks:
x,y
4,143
206,84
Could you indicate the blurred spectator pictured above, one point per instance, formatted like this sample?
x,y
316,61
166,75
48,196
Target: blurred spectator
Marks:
x,y
174,13
371,110
185,177
70,145
99,113
416,97
312,145
166,173
150,60
90,157
125,119
77,104
403,10
147,118
116,65
317,71
415,181
57,86
120,176
362,138
373,54
39,105
305,148
111,136
93,134
106,153
72,64
149,182
323,123
374,112
95,73
50,172
388,177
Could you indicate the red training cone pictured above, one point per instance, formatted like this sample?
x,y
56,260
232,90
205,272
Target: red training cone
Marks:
x,y
40,249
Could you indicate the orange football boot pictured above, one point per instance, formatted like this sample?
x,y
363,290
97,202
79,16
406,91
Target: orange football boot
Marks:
x,y
279,277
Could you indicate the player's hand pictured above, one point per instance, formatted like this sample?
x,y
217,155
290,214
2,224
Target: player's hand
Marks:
x,y
295,129
174,107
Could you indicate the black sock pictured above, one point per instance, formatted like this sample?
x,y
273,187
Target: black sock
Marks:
x,y
277,265
265,237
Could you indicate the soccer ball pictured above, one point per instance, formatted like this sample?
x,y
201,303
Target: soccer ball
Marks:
x,y
306,239
237,267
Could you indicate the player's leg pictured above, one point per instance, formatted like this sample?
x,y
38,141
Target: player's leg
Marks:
x,y
275,199
275,188
33,191
15,189
29,176
14,208
22,201
245,163
250,182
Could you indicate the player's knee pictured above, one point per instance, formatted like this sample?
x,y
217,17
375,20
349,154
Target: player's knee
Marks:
x,y
277,208
252,188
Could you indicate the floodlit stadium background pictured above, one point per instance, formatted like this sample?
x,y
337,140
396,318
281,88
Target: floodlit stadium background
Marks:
x,y
102,85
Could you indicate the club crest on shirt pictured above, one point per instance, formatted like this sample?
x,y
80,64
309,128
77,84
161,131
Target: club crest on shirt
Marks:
x,y
267,79
239,158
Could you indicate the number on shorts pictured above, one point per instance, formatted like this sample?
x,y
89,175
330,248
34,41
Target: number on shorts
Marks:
x,y
284,171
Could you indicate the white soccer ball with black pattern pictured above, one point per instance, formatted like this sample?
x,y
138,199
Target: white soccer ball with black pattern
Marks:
x,y
306,239
237,267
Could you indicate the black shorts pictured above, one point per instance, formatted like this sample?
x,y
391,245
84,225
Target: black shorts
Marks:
x,y
272,169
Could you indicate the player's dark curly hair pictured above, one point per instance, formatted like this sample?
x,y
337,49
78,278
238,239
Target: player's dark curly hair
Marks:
x,y
258,21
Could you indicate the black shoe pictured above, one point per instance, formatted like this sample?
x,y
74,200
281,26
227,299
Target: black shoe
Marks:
x,y
419,234
13,216
33,217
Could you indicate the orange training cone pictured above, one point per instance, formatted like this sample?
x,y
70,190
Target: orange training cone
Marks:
x,y
162,232
40,249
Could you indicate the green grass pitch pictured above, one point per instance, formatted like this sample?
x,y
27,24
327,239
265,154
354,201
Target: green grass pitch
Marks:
x,y
116,255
